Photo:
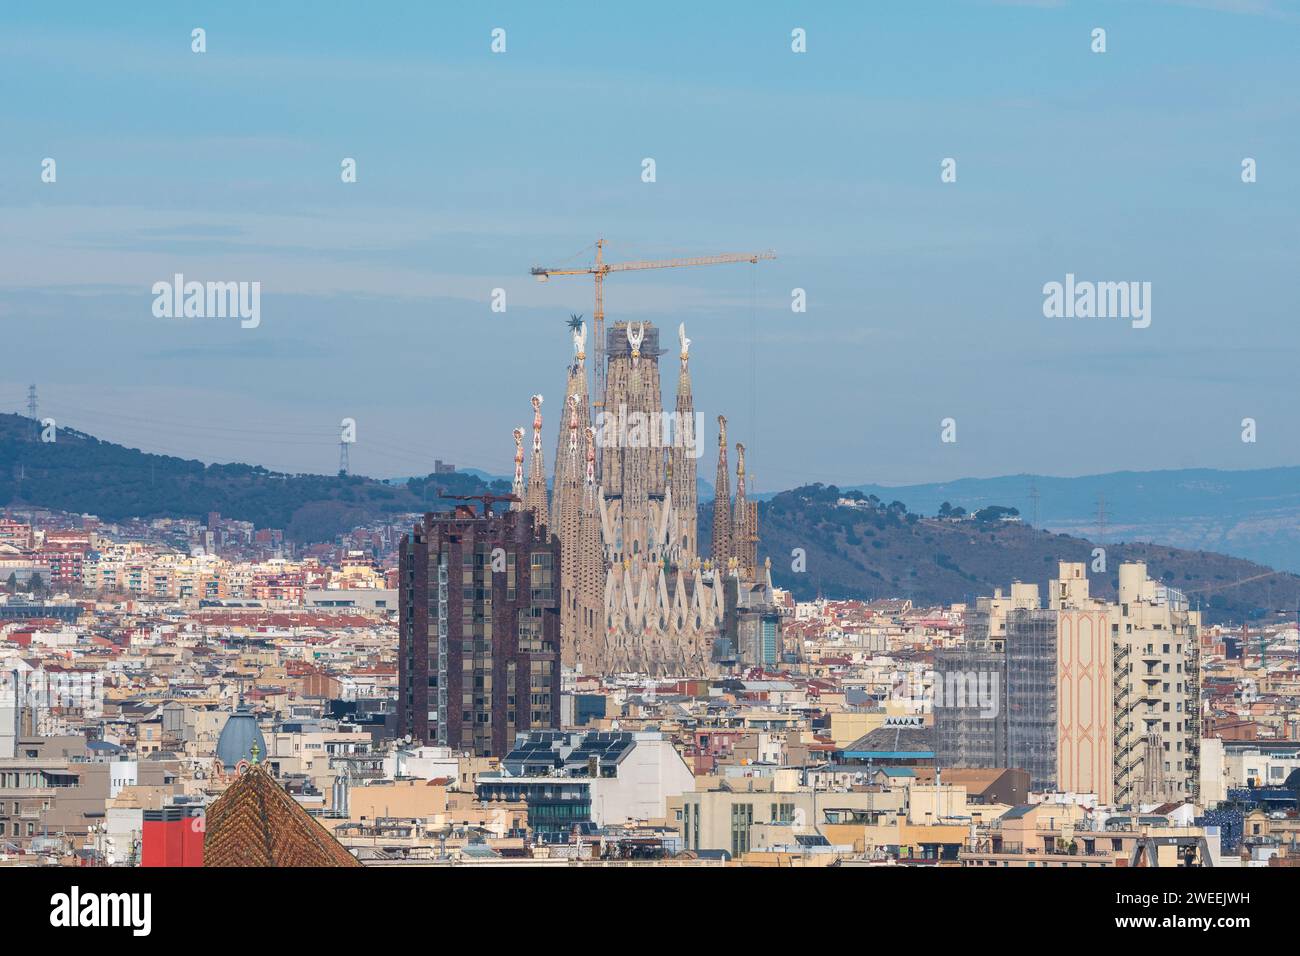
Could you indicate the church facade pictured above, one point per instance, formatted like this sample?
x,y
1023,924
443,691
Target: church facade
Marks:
x,y
636,596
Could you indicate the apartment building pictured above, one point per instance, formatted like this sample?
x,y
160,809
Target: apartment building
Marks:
x,y
1099,697
54,792
1085,689
479,630
1128,689
1234,764
725,817
43,797
1066,835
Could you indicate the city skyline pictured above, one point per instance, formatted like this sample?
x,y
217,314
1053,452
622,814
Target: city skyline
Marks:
x,y
391,497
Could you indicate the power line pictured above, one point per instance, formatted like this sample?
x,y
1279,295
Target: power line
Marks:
x,y
1232,584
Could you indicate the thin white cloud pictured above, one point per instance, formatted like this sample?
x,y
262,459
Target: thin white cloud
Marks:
x,y
92,246
1248,8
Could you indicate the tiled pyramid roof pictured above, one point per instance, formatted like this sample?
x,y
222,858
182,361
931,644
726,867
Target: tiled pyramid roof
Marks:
x,y
256,823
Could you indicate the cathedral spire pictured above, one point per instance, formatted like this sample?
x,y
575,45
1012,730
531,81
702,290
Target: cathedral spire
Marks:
x,y
722,504
744,535
577,591
518,488
535,497
740,470
567,480
682,455
589,566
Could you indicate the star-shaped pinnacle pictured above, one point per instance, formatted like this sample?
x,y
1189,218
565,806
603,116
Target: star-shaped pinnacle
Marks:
x,y
575,322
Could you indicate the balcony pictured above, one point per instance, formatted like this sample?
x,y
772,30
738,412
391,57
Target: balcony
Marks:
x,y
993,846
1008,848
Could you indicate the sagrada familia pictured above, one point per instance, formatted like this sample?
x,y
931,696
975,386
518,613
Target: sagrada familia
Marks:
x,y
635,594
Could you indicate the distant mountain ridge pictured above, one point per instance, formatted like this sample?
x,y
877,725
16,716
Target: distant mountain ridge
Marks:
x,y
886,548
1253,514
883,550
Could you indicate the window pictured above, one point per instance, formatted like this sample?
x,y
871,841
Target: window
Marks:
x,y
783,813
742,817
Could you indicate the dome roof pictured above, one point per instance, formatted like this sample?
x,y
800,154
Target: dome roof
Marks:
x,y
237,739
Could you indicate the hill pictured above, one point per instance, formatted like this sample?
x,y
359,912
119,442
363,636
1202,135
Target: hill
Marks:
x,y
876,550
79,473
885,550
1254,513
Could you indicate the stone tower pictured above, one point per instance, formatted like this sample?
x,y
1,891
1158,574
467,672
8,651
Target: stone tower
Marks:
x,y
744,528
535,496
589,618
517,489
632,460
722,504
682,456
579,588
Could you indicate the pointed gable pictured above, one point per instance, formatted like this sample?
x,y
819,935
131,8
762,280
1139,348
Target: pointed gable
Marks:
x,y
257,823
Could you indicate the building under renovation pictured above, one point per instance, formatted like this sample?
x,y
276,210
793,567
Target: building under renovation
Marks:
x,y
1031,703
995,696
965,735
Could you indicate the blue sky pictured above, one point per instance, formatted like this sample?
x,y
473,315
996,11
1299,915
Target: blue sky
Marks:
x,y
924,298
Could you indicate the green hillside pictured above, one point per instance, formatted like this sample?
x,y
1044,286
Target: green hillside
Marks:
x,y
79,473
887,551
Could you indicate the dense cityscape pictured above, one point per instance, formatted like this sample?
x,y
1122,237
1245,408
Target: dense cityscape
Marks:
x,y
694,442
554,676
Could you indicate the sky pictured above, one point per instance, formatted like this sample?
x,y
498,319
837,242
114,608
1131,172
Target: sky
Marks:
x,y
924,298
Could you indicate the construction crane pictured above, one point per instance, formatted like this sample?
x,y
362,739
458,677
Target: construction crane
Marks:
x,y
603,268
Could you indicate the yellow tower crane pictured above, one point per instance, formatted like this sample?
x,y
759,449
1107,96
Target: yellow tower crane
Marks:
x,y
603,268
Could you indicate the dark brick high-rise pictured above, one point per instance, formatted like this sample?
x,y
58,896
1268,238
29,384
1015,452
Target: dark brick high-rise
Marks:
x,y
479,648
